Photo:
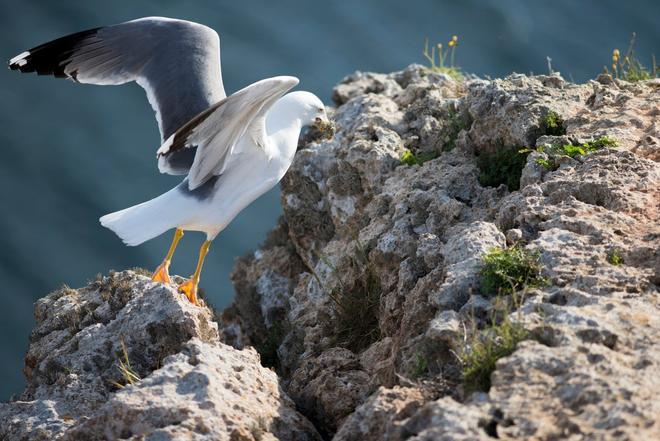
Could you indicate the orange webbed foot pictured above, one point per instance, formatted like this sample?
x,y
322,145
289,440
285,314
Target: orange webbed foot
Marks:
x,y
162,274
189,288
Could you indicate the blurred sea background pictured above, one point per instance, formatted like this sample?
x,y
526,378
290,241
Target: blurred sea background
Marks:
x,y
71,153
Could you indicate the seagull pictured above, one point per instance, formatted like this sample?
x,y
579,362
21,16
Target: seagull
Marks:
x,y
230,149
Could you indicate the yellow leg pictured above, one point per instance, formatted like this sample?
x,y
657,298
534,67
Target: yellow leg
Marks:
x,y
189,288
162,274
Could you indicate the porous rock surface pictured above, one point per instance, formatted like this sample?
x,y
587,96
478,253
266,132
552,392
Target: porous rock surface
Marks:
x,y
354,212
361,297
191,387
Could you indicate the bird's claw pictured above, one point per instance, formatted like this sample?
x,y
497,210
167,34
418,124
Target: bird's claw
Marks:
x,y
189,288
162,274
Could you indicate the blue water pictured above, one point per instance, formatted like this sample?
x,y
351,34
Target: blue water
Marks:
x,y
71,153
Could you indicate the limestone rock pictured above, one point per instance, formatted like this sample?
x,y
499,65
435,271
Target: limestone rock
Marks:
x,y
364,295
329,387
183,383
355,214
384,413
206,391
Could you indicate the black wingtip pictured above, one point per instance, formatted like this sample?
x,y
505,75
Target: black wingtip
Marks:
x,y
51,58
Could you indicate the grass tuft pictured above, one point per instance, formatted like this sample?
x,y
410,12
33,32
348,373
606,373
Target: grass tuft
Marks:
x,y
503,166
505,272
129,376
552,124
615,258
442,60
572,151
410,158
484,348
509,270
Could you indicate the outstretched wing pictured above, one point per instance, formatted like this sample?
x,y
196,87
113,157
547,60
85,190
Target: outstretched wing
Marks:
x,y
215,132
177,62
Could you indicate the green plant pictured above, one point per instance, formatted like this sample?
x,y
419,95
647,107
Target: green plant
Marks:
x,y
484,348
441,66
409,158
588,147
572,151
615,258
129,376
421,366
503,166
552,124
509,270
629,67
454,125
545,163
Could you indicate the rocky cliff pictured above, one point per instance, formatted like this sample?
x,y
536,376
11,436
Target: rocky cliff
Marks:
x,y
463,260
369,296
125,358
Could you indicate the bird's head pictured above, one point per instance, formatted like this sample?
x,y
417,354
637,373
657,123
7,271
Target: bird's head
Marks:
x,y
312,112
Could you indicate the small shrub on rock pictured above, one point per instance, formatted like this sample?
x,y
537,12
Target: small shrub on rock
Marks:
x,y
509,270
552,124
572,151
483,349
615,258
410,158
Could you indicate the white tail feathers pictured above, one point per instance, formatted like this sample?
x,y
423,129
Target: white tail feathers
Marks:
x,y
138,224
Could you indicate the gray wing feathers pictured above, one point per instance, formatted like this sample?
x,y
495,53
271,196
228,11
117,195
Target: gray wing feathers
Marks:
x,y
177,62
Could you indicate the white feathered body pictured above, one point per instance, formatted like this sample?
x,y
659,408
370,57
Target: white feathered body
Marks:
x,y
251,171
